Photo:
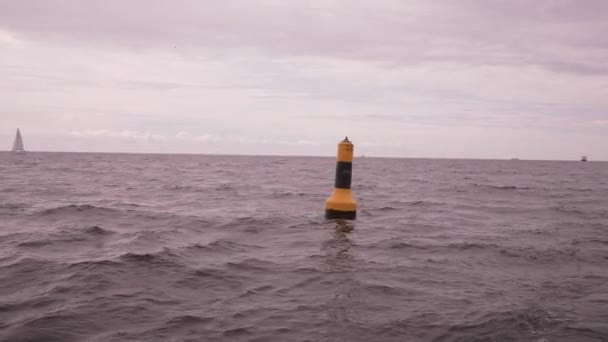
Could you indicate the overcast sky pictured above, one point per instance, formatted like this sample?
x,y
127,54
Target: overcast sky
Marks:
x,y
467,78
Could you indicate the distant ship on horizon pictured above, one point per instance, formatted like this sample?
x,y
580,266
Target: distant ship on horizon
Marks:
x,y
18,143
584,158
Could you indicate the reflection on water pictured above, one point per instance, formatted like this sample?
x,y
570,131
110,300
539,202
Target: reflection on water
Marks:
x,y
338,249
341,263
344,227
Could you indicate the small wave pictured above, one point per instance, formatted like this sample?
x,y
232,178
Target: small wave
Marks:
x,y
387,208
185,188
222,246
49,327
127,205
211,278
163,257
503,187
208,273
288,194
11,206
177,187
364,212
223,187
252,264
424,203
507,187
469,245
459,246
400,245
536,255
97,230
590,241
75,208
93,264
393,244
315,279
187,320
366,187
53,239
574,210
146,257
384,289
68,236
518,325
35,243
244,331
254,224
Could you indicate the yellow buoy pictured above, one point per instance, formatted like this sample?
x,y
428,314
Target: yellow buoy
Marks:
x,y
341,204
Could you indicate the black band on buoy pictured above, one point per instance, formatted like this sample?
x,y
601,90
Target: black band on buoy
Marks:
x,y
344,173
331,214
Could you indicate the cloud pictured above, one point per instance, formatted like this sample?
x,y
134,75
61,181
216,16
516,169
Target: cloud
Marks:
x,y
182,136
7,37
122,134
392,32
292,77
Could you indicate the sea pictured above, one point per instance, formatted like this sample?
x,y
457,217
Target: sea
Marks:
x,y
143,247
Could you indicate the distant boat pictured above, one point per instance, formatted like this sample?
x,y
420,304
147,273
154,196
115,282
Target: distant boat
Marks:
x,y
18,144
584,158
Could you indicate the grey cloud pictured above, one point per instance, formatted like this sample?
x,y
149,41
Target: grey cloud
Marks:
x,y
428,75
391,32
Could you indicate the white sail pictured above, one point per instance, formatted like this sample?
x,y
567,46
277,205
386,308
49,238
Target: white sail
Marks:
x,y
18,144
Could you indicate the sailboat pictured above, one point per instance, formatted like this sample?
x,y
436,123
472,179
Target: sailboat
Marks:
x,y
18,144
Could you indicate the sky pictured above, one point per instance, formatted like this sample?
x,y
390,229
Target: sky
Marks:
x,y
403,78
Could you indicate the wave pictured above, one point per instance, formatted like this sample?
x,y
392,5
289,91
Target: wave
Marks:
x,y
463,246
252,264
194,188
187,320
236,332
290,194
540,255
97,230
34,243
255,224
386,208
587,213
508,325
68,236
566,210
224,187
213,279
416,244
600,242
12,206
425,203
75,209
94,264
164,257
222,246
503,187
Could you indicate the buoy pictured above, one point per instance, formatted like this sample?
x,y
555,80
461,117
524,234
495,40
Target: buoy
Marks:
x,y
341,204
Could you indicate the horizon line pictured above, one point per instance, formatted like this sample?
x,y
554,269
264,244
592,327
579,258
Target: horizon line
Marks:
x,y
514,159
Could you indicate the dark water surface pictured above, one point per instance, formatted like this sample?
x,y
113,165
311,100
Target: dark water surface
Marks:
x,y
102,247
